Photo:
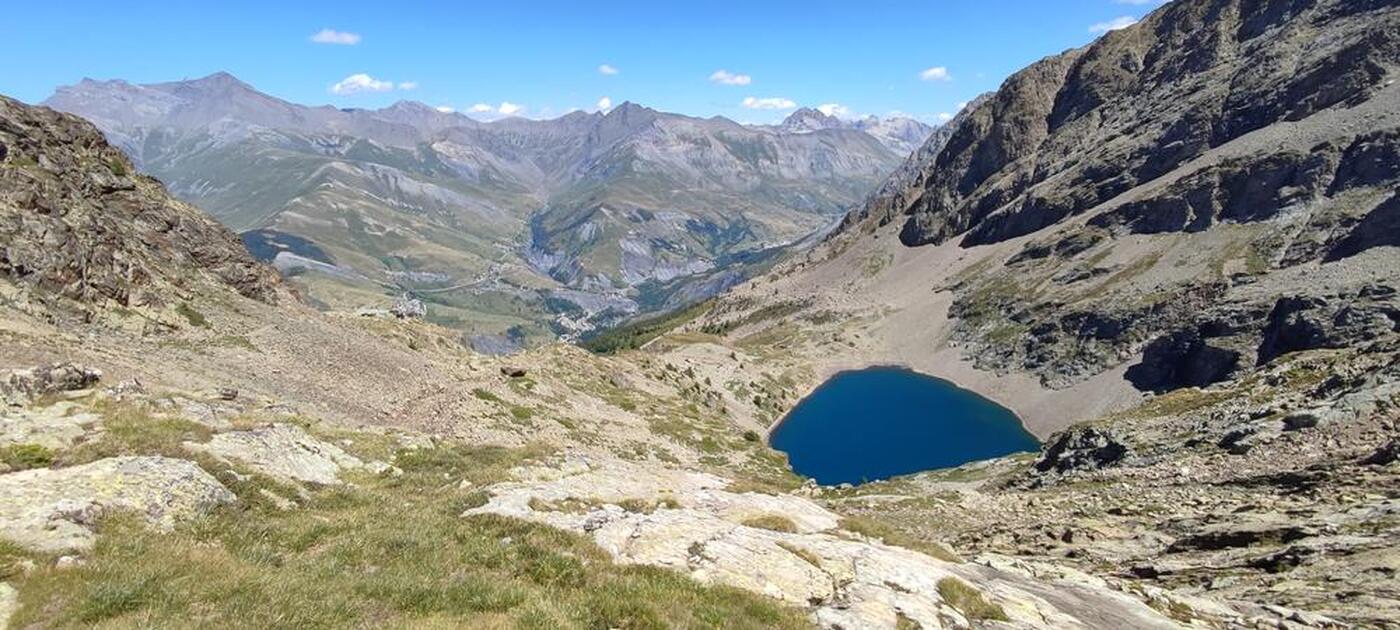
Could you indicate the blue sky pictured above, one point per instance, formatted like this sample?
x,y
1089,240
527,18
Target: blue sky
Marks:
x,y
543,58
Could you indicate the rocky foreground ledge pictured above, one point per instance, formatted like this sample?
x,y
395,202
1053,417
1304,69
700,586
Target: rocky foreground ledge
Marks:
x,y
790,548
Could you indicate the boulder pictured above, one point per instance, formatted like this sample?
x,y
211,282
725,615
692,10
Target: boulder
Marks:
x,y
513,371
1308,322
282,451
1081,448
18,387
57,426
55,510
1180,359
408,307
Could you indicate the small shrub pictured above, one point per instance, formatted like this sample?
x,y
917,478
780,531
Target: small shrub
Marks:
x,y
485,395
194,317
26,456
751,436
117,168
968,600
774,522
522,413
876,529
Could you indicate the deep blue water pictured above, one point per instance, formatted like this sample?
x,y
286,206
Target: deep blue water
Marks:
x,y
876,423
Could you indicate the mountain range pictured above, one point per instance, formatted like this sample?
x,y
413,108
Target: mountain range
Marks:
x,y
513,224
1173,253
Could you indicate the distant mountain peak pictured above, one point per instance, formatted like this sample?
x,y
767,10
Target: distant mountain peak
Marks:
x,y
809,119
220,79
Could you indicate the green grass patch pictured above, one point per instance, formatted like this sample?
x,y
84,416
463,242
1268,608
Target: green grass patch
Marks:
x,y
388,552
969,601
877,529
26,456
131,429
636,334
194,317
486,396
773,522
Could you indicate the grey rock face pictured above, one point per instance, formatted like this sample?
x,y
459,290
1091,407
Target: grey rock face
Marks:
x,y
1081,449
55,510
90,235
283,451
407,307
1317,322
1039,150
19,386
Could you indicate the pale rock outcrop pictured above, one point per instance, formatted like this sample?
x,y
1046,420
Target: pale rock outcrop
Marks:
x,y
9,601
19,387
696,526
57,426
282,451
54,510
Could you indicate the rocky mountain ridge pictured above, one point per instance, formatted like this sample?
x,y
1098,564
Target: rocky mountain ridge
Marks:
x,y
543,224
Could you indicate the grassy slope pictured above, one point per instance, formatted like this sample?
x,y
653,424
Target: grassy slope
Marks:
x,y
384,552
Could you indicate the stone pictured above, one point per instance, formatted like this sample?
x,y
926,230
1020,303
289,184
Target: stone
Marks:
x,y
84,239
1081,448
283,451
56,427
9,603
18,387
383,469
408,307
1299,420
227,393
55,510
845,580
1387,454
512,371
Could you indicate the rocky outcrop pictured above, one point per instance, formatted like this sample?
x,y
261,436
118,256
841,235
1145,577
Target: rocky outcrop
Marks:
x,y
1081,449
79,226
1078,129
283,451
1306,323
18,387
54,427
1181,359
688,522
55,510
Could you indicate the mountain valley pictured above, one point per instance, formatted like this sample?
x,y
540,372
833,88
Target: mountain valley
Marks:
x,y
539,227
1172,253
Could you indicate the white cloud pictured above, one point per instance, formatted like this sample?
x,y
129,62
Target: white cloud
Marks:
x,y
834,109
943,117
408,85
445,109
1113,24
331,36
725,77
604,104
962,105
492,112
361,82
772,102
607,70
936,73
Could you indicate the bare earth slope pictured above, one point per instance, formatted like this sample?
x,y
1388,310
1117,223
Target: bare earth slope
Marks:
x,y
1172,254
